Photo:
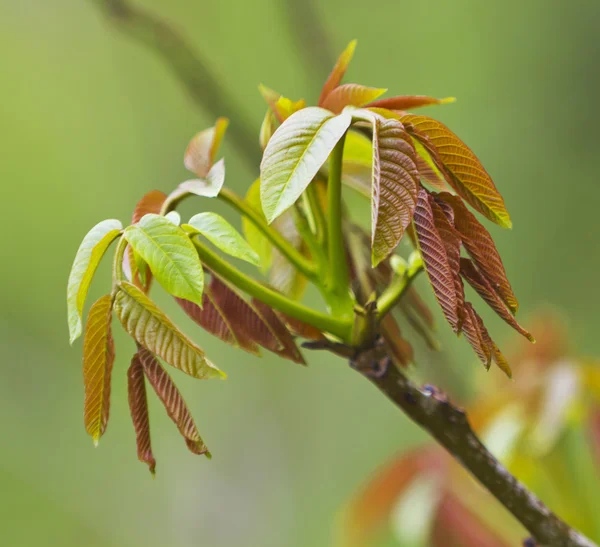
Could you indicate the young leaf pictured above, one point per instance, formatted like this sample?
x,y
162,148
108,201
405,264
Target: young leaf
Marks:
x,y
427,167
152,329
202,150
338,71
88,256
482,286
480,245
209,186
216,319
408,102
294,155
395,183
401,350
350,95
170,254
152,202
174,218
138,406
435,258
473,328
224,236
466,174
357,165
267,128
256,239
98,359
173,401
289,350
301,329
281,107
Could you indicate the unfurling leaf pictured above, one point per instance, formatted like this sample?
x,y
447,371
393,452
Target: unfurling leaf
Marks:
x,y
202,150
395,183
152,329
281,107
480,246
408,102
435,258
338,72
98,359
209,186
465,173
138,406
173,401
350,95
218,320
294,155
87,259
170,255
224,236
483,287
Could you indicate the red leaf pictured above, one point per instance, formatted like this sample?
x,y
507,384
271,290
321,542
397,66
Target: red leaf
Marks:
x,y
474,328
350,95
138,406
338,72
408,102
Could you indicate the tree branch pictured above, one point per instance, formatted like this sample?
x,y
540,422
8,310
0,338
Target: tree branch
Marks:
x,y
449,425
201,84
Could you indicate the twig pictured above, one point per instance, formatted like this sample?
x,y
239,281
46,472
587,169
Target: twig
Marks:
x,y
202,85
449,425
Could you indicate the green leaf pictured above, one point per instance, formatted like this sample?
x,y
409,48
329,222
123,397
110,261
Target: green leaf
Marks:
x,y
170,254
209,186
174,217
224,236
152,329
98,359
256,239
88,256
294,155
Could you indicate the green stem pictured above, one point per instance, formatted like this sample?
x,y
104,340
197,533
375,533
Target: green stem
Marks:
x,y
117,266
315,248
317,213
338,327
395,290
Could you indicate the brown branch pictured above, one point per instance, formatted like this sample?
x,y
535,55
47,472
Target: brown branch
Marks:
x,y
449,425
201,84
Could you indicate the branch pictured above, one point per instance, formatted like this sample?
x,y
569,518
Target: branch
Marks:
x,y
202,85
449,425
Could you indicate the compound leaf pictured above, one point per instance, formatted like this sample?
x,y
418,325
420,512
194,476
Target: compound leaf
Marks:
x,y
152,329
87,259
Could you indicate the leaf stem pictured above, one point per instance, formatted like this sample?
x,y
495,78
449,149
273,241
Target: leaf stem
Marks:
x,y
338,327
396,289
317,213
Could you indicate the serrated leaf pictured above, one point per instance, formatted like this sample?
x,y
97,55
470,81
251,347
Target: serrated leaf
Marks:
x,y
482,286
350,95
152,329
202,149
216,319
408,102
173,402
224,236
466,174
209,186
435,258
480,246
138,407
288,349
294,155
395,183
170,255
98,359
473,328
338,72
87,259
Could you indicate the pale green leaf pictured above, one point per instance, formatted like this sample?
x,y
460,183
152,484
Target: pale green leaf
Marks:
x,y
170,255
152,329
294,155
224,236
174,217
257,240
209,186
88,256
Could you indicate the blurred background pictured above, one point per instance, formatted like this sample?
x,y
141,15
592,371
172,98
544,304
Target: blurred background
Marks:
x,y
92,119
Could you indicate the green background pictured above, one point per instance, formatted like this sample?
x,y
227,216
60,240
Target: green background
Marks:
x,y
90,121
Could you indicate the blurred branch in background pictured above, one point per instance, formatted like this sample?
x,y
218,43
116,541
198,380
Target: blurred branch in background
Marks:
x,y
202,85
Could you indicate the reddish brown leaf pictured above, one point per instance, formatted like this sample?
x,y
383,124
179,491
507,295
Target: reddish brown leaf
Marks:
x,y
414,300
300,328
338,72
408,102
474,332
138,406
480,246
173,401
202,149
288,349
395,183
401,349
98,359
435,258
350,95
483,287
464,171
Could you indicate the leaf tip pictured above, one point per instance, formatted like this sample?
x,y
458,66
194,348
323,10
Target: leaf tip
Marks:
x,y
447,100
